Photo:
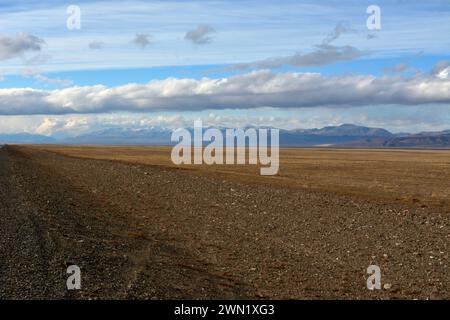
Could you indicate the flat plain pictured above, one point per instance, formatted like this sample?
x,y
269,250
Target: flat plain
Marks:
x,y
411,176
140,227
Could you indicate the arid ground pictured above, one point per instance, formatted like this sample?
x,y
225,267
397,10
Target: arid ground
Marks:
x,y
139,227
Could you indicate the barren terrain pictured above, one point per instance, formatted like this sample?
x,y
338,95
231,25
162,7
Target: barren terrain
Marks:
x,y
140,228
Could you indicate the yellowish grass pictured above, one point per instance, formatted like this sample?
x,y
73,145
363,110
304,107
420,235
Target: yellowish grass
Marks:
x,y
418,176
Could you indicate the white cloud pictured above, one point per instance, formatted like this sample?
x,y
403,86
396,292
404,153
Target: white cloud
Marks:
x,y
74,125
252,90
441,69
47,127
444,73
396,119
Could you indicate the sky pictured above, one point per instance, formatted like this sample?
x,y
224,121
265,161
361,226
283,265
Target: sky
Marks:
x,y
68,68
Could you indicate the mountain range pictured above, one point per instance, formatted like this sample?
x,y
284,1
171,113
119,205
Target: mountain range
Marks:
x,y
346,135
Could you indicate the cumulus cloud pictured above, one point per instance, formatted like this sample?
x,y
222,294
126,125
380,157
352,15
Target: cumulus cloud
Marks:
x,y
47,127
96,45
442,70
16,46
73,125
410,119
142,40
256,89
200,35
66,126
444,74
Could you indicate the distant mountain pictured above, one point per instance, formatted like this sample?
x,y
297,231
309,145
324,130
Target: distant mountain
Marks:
x,y
421,140
348,130
346,135
25,138
333,135
433,133
123,136
158,136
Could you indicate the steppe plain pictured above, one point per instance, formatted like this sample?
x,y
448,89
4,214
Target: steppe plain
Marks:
x,y
140,227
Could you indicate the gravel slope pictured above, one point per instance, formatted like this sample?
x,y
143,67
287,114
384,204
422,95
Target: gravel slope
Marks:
x,y
151,232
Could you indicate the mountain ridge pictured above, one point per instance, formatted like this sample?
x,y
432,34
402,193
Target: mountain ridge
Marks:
x,y
345,135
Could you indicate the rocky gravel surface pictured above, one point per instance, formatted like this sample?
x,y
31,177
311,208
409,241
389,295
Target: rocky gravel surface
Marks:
x,y
148,232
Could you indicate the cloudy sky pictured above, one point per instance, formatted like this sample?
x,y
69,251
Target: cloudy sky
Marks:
x,y
67,68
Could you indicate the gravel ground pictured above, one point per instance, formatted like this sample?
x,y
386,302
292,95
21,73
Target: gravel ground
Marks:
x,y
147,232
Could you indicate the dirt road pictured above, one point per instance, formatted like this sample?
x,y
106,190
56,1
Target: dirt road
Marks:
x,y
154,233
